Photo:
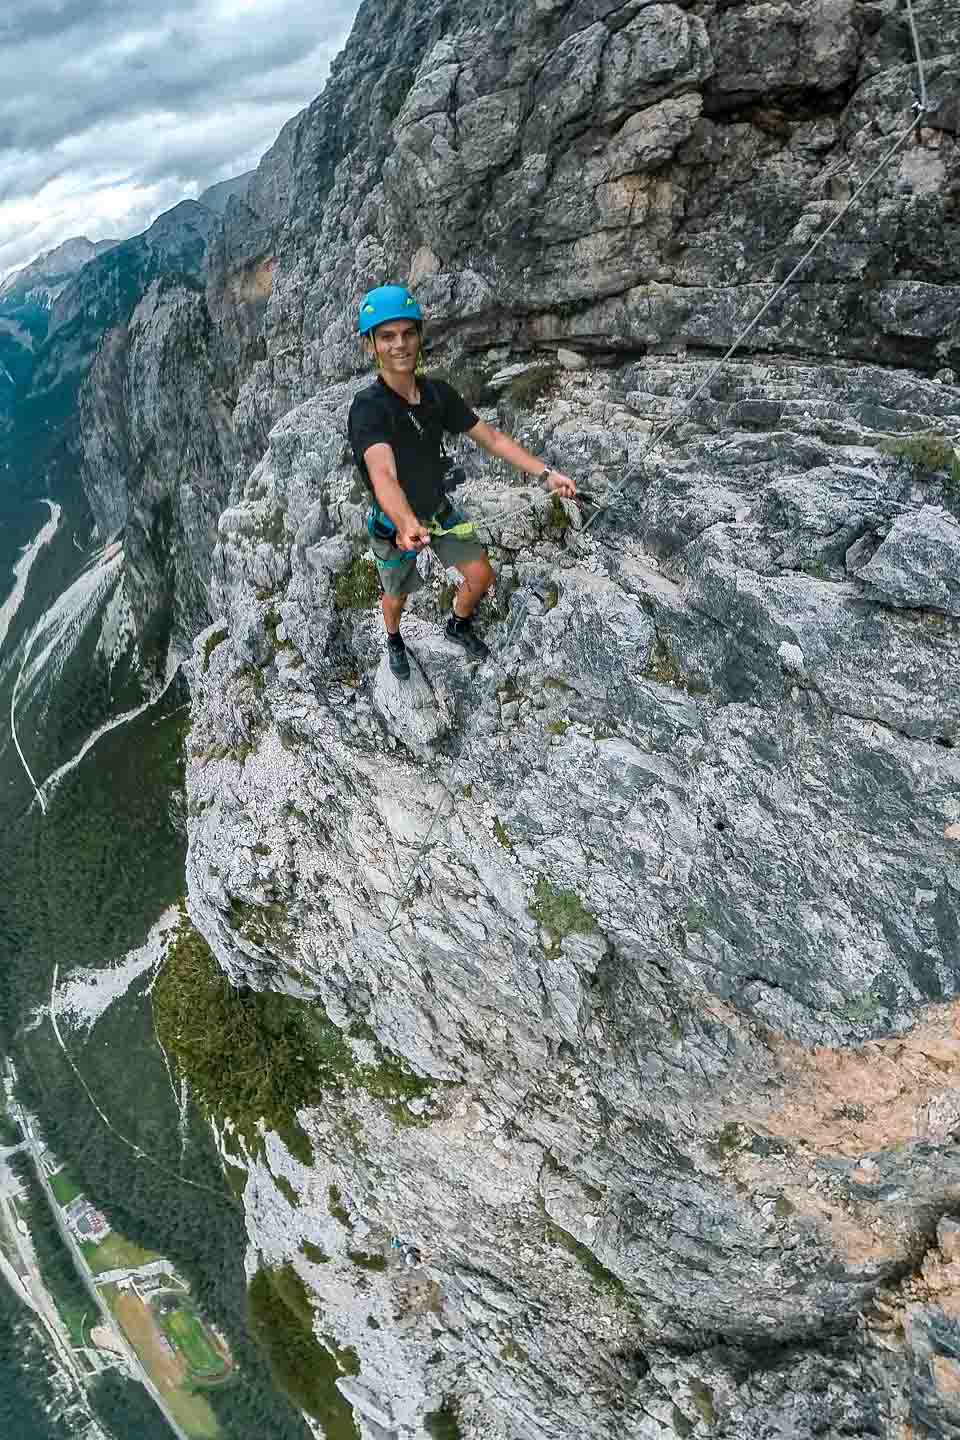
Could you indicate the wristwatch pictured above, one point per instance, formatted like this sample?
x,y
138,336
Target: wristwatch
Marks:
x,y
544,475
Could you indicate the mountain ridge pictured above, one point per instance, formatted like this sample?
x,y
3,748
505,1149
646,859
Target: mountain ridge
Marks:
x,y
626,969
59,262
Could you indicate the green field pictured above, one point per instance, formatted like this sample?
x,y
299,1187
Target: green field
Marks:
x,y
187,1332
79,1320
64,1187
194,1414
116,1253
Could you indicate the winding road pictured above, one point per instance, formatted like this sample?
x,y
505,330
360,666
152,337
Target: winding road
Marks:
x,y
29,1286
123,1345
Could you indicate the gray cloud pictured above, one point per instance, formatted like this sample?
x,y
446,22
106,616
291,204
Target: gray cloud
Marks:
x,y
112,110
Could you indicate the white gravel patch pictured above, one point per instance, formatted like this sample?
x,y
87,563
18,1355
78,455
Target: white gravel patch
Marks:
x,y
87,994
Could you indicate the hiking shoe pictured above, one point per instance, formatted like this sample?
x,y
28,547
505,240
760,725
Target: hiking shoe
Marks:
x,y
462,633
397,657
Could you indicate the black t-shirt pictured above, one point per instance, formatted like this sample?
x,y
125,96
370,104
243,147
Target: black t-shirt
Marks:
x,y
379,415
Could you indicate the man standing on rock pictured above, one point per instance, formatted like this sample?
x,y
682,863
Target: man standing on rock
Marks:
x,y
397,426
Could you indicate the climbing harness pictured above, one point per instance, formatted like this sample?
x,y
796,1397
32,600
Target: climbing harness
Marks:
x,y
381,527
528,599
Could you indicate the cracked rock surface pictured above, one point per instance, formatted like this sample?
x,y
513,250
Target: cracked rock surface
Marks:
x,y
680,956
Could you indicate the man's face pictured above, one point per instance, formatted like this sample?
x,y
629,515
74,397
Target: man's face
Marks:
x,y
397,343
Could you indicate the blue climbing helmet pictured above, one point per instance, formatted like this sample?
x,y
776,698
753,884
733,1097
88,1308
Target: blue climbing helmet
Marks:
x,y
387,302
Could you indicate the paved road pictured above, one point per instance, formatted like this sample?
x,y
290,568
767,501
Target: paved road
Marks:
x,y
31,1286
130,1355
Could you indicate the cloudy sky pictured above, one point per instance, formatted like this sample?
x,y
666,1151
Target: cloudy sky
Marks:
x,y
111,111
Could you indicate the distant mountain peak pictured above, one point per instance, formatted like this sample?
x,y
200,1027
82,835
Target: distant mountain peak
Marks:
x,y
217,196
51,269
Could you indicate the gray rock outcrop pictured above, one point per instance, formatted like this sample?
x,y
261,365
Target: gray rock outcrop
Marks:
x,y
159,449
679,962
621,178
156,435
918,563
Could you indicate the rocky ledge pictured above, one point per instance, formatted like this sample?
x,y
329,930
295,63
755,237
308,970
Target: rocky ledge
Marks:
x,y
674,987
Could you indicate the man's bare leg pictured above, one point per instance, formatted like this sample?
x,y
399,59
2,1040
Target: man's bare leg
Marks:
x,y
392,607
477,579
478,576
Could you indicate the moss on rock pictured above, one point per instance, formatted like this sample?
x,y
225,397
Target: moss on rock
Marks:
x,y
562,912
337,1208
663,668
443,1423
358,587
287,1191
215,638
366,1261
314,1253
927,451
281,1318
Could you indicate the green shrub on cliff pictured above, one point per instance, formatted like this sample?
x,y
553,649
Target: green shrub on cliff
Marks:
x,y
246,1059
358,587
264,1056
929,452
281,1318
533,385
470,378
215,638
443,1424
562,912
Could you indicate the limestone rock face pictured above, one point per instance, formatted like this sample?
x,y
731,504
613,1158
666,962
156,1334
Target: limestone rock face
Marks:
x,y
616,177
156,436
918,564
678,964
660,905
159,444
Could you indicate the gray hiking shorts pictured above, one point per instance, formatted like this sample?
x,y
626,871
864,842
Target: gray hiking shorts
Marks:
x,y
398,572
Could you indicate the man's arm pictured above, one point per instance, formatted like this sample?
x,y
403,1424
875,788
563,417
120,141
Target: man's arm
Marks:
x,y
382,469
496,443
